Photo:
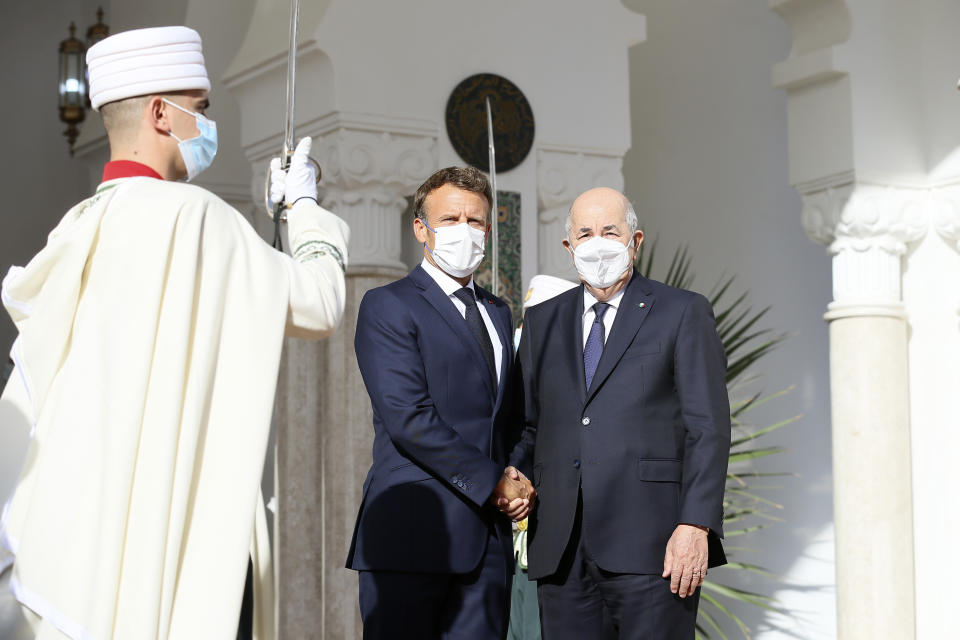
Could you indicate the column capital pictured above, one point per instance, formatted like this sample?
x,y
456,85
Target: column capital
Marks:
x,y
359,151
867,226
945,216
563,173
846,213
371,164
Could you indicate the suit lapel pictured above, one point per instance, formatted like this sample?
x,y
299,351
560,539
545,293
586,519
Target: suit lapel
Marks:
x,y
500,316
572,313
634,308
432,292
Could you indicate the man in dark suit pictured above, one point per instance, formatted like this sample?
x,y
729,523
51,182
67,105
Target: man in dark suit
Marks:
x,y
435,352
628,428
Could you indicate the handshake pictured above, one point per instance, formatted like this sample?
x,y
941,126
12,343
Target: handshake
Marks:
x,y
514,495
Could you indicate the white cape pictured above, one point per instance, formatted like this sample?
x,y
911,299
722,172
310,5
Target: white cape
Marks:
x,y
150,330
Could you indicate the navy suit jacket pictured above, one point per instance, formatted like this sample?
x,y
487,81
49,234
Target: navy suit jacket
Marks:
x,y
441,430
648,442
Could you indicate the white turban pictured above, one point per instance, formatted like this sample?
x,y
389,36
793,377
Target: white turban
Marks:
x,y
542,288
145,61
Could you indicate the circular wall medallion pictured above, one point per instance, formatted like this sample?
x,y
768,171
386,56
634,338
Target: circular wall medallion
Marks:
x,y
467,121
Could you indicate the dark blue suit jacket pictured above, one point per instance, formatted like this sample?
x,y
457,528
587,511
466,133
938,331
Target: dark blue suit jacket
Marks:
x,y
441,430
648,442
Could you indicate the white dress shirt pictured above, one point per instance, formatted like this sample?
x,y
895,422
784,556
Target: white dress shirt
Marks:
x,y
608,317
449,286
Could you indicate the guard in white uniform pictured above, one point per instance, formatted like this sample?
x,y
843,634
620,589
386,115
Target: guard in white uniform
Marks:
x,y
150,330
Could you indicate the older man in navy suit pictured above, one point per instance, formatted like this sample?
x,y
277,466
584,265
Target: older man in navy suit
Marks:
x,y
627,424
435,352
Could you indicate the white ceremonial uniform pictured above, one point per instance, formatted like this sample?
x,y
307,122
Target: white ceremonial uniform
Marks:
x,y
150,330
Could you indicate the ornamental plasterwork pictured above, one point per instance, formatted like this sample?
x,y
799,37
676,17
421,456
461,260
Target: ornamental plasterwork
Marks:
x,y
859,216
946,214
356,158
563,174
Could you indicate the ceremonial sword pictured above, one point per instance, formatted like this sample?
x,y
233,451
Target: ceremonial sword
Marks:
x,y
278,211
494,209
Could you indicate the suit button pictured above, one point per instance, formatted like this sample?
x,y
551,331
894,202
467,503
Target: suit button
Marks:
x,y
585,422
576,463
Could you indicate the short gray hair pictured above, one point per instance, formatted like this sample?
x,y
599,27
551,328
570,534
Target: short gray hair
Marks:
x,y
631,215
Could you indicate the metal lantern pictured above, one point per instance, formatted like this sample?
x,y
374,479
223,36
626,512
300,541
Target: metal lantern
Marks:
x,y
73,85
99,31
95,34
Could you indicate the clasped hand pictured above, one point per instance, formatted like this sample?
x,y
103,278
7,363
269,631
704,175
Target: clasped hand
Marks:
x,y
514,495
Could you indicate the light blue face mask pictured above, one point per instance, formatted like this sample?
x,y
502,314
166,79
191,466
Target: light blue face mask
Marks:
x,y
198,152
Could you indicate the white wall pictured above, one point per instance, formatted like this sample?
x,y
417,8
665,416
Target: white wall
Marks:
x,y
38,178
390,58
708,168
931,294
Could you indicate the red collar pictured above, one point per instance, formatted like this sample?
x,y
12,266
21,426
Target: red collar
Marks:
x,y
127,169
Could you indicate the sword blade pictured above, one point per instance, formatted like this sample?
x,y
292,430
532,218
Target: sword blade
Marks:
x,y
288,133
494,208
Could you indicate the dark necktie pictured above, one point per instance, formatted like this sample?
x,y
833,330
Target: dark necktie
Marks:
x,y
594,347
479,330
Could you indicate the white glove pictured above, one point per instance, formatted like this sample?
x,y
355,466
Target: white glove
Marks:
x,y
299,181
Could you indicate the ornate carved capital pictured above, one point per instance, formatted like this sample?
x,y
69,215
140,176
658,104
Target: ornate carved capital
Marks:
x,y
369,164
853,215
369,167
563,173
945,207
374,213
353,158
868,227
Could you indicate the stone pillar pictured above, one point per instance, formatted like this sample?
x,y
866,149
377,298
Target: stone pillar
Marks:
x,y
563,173
867,229
323,419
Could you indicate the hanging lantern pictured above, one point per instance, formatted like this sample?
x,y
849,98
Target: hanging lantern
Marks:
x,y
95,34
99,31
73,85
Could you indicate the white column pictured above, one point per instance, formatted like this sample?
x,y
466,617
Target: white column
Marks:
x,y
563,173
867,229
872,156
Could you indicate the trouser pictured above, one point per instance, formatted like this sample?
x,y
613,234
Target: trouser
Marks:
x,y
439,606
581,601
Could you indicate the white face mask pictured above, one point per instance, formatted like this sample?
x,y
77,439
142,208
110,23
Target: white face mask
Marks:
x,y
197,152
458,249
601,261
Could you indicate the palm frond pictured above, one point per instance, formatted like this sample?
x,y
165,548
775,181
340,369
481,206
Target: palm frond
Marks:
x,y
762,432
